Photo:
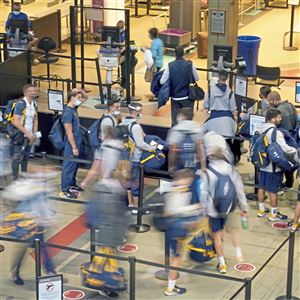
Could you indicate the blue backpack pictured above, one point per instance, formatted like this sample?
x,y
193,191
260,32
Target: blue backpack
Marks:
x,y
259,150
277,155
94,132
57,135
187,152
202,247
225,199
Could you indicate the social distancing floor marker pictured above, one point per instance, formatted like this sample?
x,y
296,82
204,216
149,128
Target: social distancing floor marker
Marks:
x,y
128,248
280,225
245,267
73,295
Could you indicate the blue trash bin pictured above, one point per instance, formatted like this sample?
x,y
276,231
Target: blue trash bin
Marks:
x,y
248,47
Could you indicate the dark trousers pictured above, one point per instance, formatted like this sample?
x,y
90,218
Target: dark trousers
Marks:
x,y
235,147
176,105
20,155
289,179
69,168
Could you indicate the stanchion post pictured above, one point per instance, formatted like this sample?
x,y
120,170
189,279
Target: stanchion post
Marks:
x,y
44,157
248,288
291,47
139,227
290,269
37,252
164,274
92,238
136,8
131,278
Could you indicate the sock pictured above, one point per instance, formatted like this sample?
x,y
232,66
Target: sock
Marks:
x,y
221,260
261,206
274,210
238,252
171,284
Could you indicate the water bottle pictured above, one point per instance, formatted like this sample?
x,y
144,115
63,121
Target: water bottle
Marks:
x,y
245,222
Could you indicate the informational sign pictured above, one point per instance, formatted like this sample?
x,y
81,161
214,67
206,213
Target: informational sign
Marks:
x,y
73,295
297,92
128,248
241,84
50,288
294,2
257,124
245,267
55,100
280,225
217,21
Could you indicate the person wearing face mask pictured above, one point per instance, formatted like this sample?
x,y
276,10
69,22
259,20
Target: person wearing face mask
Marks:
x,y
73,144
25,119
109,120
16,14
270,177
137,136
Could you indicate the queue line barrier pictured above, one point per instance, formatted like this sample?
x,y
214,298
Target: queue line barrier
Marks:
x,y
133,261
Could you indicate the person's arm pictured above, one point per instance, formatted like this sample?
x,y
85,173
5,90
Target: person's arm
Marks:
x,y
240,191
154,49
70,137
93,173
284,146
165,76
138,136
7,24
207,101
172,158
36,123
195,73
232,103
201,154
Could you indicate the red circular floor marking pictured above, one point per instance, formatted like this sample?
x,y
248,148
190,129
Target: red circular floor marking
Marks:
x,y
280,225
245,267
73,295
128,248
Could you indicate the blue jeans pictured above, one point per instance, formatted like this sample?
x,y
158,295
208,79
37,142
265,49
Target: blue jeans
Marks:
x,y
69,168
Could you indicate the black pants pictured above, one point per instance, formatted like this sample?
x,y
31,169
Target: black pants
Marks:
x,y
20,157
289,179
235,147
176,105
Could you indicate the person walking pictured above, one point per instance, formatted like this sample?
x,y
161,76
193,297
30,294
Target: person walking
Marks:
x,y
157,48
179,73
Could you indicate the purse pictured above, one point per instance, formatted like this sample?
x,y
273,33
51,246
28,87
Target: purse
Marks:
x,y
196,93
150,73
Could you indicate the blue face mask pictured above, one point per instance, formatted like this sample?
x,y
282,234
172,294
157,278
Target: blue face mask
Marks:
x,y
16,13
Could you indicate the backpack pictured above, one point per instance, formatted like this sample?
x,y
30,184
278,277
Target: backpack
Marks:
x,y
225,198
186,157
278,157
57,135
244,125
259,150
94,132
202,247
295,134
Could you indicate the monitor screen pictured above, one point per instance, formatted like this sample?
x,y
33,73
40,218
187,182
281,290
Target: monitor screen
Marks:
x,y
111,31
297,92
21,24
225,51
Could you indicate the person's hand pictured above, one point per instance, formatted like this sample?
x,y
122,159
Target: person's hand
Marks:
x,y
244,214
32,138
75,151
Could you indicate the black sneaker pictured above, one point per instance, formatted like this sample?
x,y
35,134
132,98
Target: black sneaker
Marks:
x,y
76,189
277,217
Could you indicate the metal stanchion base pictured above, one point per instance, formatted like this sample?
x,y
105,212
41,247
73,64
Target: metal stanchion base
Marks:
x,y
162,275
101,106
139,229
2,248
290,48
266,9
60,51
285,298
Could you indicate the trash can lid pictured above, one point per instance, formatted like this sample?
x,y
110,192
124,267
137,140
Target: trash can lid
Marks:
x,y
248,38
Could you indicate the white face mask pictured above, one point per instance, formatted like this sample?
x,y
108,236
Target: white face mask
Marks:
x,y
77,102
16,12
116,113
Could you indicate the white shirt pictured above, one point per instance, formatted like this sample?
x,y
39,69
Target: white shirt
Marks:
x,y
30,113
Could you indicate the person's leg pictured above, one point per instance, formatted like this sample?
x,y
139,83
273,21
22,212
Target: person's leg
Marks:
x,y
261,195
135,177
175,107
16,149
69,169
236,243
289,179
24,163
17,257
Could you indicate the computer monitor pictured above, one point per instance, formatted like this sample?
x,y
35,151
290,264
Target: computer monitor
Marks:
x,y
225,51
112,32
21,24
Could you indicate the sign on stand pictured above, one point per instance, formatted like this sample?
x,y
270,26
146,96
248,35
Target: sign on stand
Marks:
x,y
50,288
